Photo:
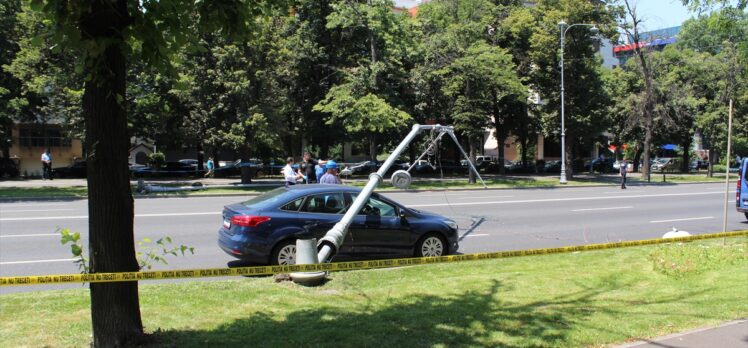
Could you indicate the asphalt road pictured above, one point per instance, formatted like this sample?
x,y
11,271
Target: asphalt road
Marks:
x,y
490,220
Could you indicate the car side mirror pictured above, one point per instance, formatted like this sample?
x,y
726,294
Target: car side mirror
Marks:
x,y
403,215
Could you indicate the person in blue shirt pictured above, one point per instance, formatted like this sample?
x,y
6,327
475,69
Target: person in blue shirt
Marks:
x,y
331,177
210,166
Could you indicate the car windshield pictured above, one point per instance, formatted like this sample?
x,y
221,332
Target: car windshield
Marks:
x,y
268,197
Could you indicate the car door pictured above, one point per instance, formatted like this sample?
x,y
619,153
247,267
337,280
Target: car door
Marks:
x,y
378,229
320,212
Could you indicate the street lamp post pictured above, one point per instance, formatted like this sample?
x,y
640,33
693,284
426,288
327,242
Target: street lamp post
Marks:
x,y
563,28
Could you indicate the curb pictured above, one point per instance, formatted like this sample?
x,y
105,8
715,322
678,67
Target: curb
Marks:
x,y
140,196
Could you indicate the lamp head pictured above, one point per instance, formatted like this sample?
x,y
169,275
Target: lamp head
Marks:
x,y
561,24
594,30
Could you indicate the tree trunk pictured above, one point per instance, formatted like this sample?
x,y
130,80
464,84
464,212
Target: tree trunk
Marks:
x,y
373,147
200,156
245,169
115,310
471,175
500,140
684,167
646,149
637,158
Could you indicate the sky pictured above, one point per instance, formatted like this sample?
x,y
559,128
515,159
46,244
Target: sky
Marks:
x,y
660,14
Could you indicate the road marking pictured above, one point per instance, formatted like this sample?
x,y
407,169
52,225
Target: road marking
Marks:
x,y
86,216
566,199
487,197
30,210
684,219
30,235
622,191
611,208
13,205
35,261
476,235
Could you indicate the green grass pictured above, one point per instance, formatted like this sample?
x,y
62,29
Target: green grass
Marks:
x,y
45,191
569,300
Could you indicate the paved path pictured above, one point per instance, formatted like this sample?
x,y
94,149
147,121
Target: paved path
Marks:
x,y
730,335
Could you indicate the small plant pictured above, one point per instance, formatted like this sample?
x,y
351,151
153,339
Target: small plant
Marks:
x,y
148,255
151,254
156,159
75,248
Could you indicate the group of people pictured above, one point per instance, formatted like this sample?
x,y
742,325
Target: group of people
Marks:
x,y
311,171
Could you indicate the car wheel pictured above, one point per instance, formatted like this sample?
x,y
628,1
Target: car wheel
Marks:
x,y
746,216
284,253
259,174
431,245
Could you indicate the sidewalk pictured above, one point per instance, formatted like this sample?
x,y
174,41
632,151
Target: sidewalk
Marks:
x,y
733,334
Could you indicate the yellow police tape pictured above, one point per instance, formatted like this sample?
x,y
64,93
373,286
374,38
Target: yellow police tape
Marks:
x,y
331,267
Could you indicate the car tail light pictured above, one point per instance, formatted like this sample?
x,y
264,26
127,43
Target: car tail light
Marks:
x,y
737,193
248,220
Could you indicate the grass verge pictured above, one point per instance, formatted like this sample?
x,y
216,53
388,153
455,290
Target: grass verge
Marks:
x,y
580,299
44,191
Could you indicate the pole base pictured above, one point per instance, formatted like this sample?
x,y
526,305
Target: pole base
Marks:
x,y
306,253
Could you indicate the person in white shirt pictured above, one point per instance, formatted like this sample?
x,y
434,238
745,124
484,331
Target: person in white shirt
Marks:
x,y
46,165
289,174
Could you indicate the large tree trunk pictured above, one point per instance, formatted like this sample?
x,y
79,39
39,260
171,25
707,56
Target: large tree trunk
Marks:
x,y
115,310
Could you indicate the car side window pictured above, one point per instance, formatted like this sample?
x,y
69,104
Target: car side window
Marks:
x,y
376,207
324,203
294,205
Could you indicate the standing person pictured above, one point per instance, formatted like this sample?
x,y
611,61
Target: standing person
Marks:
x,y
306,168
210,165
623,171
331,177
46,165
288,173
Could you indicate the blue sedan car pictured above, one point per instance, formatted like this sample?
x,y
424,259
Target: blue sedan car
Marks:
x,y
264,229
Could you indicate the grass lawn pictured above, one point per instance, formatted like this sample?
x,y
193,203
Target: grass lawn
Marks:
x,y
44,191
581,299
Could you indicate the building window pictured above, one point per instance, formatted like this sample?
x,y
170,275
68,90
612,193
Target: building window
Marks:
x,y
40,137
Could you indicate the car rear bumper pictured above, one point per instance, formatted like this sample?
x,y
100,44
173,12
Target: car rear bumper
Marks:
x,y
243,248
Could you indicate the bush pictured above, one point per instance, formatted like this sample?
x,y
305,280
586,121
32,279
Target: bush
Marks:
x,y
718,168
156,159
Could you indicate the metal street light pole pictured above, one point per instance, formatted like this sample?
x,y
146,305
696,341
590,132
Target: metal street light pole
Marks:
x,y
563,28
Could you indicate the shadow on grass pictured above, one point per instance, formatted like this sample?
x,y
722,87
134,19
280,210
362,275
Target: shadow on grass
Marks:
x,y
473,318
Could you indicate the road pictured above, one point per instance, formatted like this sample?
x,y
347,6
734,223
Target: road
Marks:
x,y
490,220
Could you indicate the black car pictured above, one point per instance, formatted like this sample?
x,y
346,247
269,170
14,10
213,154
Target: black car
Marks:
x,y
264,229
235,169
9,168
167,170
75,170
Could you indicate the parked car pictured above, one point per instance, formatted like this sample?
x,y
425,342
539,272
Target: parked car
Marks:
x,y
234,169
9,168
75,170
192,162
480,162
698,164
741,195
264,229
662,164
552,167
517,167
167,169
365,167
